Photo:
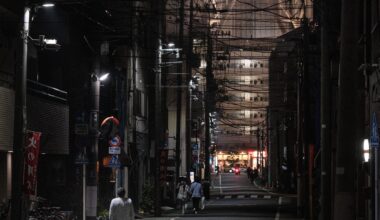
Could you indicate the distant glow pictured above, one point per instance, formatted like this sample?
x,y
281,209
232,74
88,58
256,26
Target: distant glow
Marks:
x,y
104,77
48,5
171,44
50,41
10,151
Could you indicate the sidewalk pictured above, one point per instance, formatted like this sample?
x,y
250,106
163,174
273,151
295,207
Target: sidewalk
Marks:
x,y
258,183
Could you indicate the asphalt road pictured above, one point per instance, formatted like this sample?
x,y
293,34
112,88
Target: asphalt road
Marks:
x,y
234,197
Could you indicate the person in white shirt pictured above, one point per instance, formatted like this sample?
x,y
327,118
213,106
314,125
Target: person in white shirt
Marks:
x,y
183,190
121,208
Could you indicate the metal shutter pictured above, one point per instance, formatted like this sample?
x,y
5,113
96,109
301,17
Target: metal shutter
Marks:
x,y
52,119
6,118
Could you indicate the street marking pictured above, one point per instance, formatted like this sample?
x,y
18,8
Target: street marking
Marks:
x,y
228,197
278,208
254,196
229,187
241,196
267,196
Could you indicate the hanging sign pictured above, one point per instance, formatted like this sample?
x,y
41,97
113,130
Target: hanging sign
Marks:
x,y
32,150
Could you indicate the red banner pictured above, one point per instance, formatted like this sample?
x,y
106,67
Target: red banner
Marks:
x,y
32,151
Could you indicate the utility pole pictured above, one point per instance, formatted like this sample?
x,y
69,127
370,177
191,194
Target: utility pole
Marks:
x,y
306,124
20,125
328,41
347,138
262,151
209,100
92,182
188,78
179,94
278,151
158,110
158,130
373,209
371,79
258,148
269,150
299,145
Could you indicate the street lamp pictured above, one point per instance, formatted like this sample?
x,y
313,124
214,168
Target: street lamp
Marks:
x,y
169,49
20,122
48,5
104,76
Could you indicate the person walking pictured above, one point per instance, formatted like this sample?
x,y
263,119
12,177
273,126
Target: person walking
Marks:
x,y
196,193
183,190
121,208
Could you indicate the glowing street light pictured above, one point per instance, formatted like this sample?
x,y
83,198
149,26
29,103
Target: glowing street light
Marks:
x,y
48,5
104,76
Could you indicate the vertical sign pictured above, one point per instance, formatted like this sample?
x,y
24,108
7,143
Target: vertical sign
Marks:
x,y
374,132
32,150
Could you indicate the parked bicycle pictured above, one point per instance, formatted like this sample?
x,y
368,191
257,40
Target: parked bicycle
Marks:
x,y
40,210
4,209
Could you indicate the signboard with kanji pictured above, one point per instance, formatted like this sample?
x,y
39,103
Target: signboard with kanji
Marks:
x,y
32,151
114,150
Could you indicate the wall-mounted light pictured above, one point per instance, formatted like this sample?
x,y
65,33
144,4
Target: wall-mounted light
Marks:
x,y
46,43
